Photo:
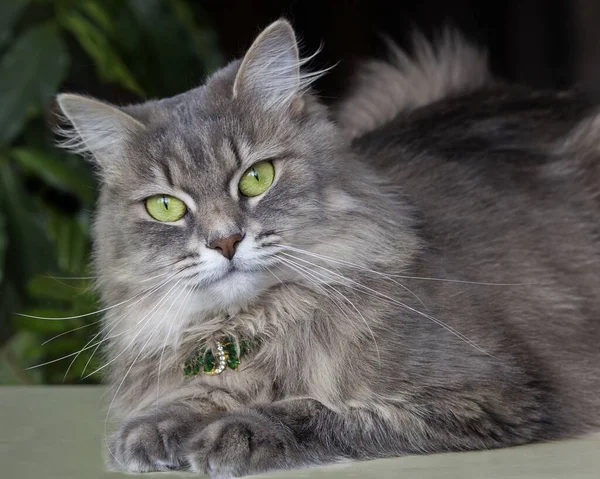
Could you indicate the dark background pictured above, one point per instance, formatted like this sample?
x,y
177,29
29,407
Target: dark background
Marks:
x,y
126,51
542,43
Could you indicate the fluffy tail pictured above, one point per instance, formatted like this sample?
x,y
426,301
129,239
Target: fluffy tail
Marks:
x,y
382,90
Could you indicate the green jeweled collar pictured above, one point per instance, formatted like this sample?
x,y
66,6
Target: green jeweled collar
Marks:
x,y
226,354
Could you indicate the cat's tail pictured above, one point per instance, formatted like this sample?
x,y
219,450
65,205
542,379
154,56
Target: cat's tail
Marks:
x,y
383,89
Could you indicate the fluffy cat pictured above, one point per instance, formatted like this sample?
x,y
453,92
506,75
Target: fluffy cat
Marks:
x,y
417,272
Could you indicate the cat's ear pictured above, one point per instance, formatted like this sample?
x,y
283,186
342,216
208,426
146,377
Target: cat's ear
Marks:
x,y
271,69
99,129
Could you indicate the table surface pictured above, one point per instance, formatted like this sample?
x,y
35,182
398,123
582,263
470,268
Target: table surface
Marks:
x,y
57,432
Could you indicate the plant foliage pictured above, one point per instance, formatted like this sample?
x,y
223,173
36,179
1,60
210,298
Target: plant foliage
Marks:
x,y
119,50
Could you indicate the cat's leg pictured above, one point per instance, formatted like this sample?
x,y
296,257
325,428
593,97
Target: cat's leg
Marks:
x,y
152,438
297,433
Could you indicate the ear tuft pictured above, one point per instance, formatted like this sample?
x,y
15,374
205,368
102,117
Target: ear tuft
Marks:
x,y
99,129
270,71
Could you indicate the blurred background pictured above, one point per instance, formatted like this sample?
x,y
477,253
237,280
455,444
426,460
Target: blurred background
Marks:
x,y
126,51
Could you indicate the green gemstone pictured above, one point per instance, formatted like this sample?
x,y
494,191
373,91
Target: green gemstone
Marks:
x,y
205,360
232,351
233,363
209,361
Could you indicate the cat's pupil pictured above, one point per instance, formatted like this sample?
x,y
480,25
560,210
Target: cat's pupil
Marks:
x,y
165,202
255,174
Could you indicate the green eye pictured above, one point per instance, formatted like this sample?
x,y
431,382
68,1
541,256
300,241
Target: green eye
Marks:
x,y
165,208
257,179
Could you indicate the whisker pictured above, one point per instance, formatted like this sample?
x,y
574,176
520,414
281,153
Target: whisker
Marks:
x,y
70,331
149,271
74,278
116,323
146,319
394,275
276,277
341,309
404,305
156,328
181,270
88,346
189,291
65,318
361,268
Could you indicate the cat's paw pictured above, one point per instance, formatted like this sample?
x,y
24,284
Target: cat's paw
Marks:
x,y
152,440
239,444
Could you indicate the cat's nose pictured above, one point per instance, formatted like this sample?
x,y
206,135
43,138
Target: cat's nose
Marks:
x,y
226,246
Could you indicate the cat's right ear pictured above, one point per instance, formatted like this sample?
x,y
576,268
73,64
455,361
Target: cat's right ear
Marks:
x,y
99,129
270,71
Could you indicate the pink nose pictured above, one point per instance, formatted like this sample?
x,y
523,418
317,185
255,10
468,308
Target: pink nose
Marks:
x,y
226,246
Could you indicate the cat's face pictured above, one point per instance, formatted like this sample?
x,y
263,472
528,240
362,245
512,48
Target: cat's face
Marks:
x,y
202,191
226,241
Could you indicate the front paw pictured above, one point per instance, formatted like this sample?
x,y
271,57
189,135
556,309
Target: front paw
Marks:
x,y
152,440
239,444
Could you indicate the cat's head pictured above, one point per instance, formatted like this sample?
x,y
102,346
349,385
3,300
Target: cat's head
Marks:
x,y
200,193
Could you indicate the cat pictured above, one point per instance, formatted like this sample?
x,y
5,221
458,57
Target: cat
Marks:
x,y
415,270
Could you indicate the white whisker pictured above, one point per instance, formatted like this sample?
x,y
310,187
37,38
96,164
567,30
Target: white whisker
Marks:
x,y
146,318
404,305
88,346
394,275
189,292
114,325
156,328
300,269
70,331
361,268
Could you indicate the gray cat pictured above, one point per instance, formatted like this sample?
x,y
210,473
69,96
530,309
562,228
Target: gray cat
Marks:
x,y
416,271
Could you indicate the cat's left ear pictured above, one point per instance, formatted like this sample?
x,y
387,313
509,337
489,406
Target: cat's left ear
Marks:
x,y
270,71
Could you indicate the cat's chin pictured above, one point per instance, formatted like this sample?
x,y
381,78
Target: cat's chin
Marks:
x,y
233,291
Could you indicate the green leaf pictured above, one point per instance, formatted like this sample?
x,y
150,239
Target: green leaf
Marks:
x,y
3,245
109,64
31,72
19,353
9,12
28,249
95,10
47,287
169,55
56,170
70,235
9,303
203,39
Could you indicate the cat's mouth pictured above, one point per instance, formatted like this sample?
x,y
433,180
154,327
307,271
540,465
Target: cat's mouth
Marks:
x,y
238,270
230,273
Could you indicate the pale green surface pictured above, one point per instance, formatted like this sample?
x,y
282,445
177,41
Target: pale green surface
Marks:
x,y
56,432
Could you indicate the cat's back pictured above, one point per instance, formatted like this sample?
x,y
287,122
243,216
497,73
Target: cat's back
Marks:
x,y
506,184
499,125
497,149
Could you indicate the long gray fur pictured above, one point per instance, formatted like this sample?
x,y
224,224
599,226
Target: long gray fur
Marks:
x,y
430,284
